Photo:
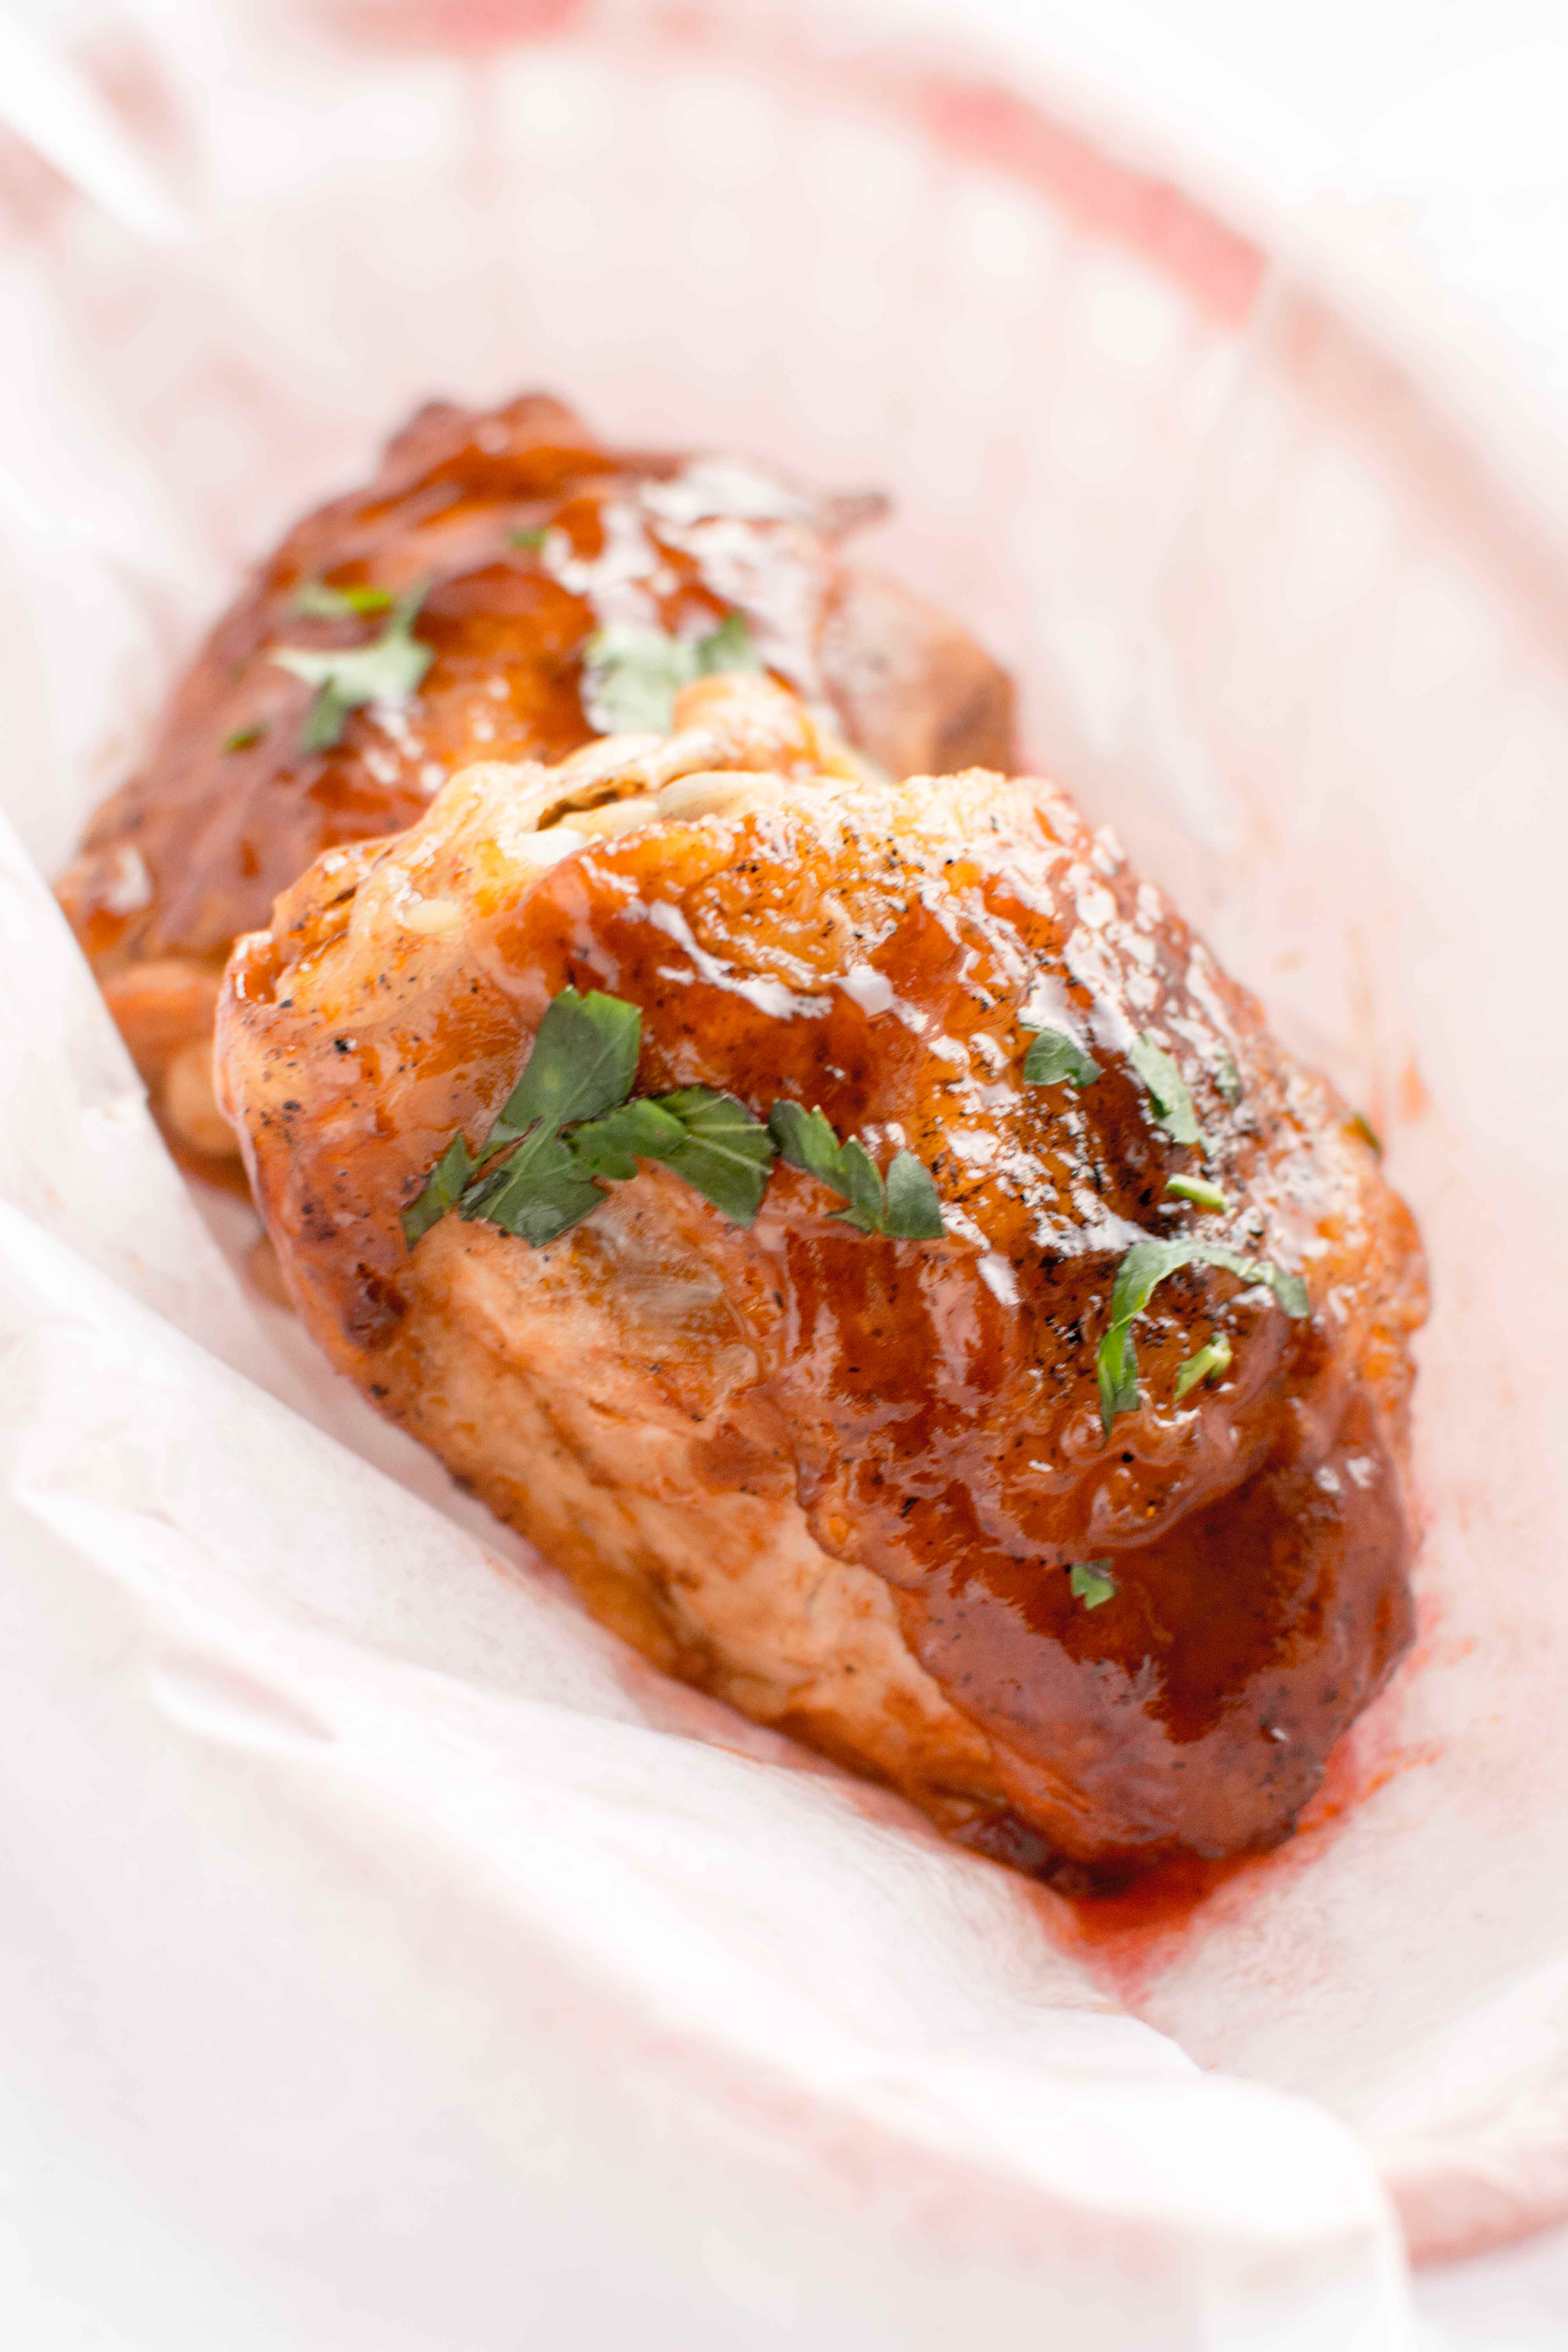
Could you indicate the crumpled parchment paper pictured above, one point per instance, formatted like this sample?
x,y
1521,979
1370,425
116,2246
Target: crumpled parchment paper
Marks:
x,y
389,1958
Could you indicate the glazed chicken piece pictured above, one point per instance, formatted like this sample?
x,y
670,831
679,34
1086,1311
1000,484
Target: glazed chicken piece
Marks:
x,y
522,537
1093,1568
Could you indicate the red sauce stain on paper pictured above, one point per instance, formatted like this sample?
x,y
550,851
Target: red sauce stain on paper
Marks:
x,y
1126,1940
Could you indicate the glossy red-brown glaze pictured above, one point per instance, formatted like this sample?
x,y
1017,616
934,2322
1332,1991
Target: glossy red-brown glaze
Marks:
x,y
932,1407
229,809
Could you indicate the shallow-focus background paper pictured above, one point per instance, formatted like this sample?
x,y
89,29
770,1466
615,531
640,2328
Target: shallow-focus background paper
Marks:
x,y
389,1960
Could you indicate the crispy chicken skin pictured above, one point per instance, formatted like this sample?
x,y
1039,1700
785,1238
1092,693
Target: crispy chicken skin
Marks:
x,y
839,1479
229,809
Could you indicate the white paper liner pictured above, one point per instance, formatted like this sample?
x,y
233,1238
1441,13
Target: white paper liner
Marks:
x,y
380,1932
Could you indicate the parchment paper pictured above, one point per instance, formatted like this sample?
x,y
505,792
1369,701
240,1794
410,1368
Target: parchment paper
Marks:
x,y
388,1958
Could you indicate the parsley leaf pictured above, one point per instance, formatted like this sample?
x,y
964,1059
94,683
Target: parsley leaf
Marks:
x,y
569,1120
582,1063
612,1145
533,539
1092,1582
314,601
244,736
728,647
632,676
443,1188
907,1206
571,1124
1210,1360
861,1185
538,1191
388,669
1168,1091
1054,1055
1147,1264
1228,1079
1198,1191
725,1153
709,1138
1359,1124
914,1206
805,1141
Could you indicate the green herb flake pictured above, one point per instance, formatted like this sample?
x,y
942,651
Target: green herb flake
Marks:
x,y
906,1206
1209,1360
1053,1055
725,1153
533,540
314,601
570,1125
1228,1079
1359,1124
729,647
1145,1265
1092,1582
860,1183
710,1140
807,1141
244,736
538,1191
582,1063
631,676
389,670
444,1187
914,1205
612,1145
1198,1191
1168,1091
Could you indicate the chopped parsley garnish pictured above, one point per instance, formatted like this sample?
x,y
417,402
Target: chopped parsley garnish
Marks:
x,y
443,1189
571,1124
1210,1360
632,676
314,601
1359,1124
727,648
905,1205
1198,1191
914,1207
639,1130
710,1139
1054,1055
569,1121
1228,1079
1146,1265
1092,1582
538,1191
388,669
1168,1091
582,1063
533,539
244,736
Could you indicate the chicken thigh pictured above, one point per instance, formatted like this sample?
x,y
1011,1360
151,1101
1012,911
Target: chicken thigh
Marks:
x,y
498,590
856,1230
